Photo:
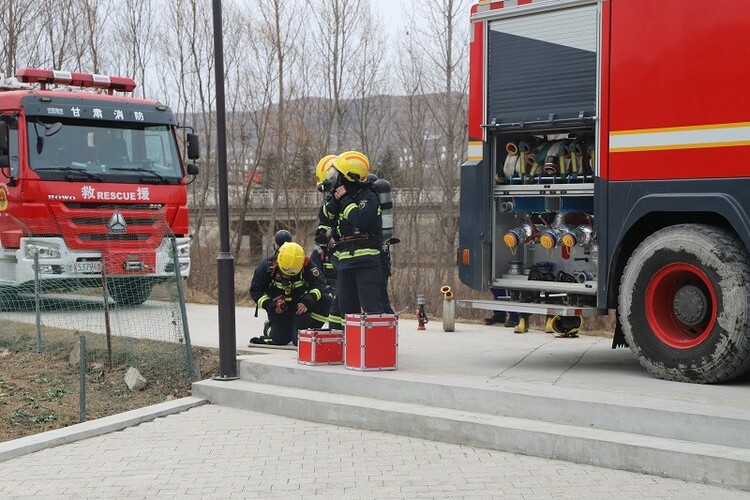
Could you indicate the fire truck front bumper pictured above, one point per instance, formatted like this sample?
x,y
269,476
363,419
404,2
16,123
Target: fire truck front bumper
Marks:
x,y
59,263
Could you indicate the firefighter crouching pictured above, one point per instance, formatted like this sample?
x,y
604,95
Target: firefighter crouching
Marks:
x,y
290,288
356,230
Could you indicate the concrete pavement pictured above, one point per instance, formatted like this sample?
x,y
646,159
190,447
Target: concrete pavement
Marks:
x,y
213,451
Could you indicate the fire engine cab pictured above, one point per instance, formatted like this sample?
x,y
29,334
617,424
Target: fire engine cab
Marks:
x,y
92,184
608,171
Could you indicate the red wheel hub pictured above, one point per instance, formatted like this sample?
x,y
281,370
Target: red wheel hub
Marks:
x,y
681,305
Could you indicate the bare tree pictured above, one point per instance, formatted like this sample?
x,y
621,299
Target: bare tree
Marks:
x,y
372,113
59,32
281,26
188,82
433,73
134,27
17,33
92,33
339,36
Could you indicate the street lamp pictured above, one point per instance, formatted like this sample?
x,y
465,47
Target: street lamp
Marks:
x,y
224,261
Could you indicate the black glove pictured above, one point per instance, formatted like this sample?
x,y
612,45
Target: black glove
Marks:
x,y
308,299
332,206
320,237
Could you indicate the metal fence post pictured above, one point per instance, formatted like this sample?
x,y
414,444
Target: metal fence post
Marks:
x,y
82,364
38,302
183,312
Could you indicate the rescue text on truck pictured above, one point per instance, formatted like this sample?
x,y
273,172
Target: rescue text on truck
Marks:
x,y
94,184
608,171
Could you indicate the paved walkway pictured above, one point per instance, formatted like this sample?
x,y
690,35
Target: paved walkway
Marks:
x,y
218,452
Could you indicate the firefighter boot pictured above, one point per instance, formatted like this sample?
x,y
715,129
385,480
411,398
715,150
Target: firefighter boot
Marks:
x,y
495,318
523,324
548,328
265,338
567,326
512,321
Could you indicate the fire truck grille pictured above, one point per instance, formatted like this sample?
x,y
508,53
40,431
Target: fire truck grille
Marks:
x,y
109,206
103,221
114,237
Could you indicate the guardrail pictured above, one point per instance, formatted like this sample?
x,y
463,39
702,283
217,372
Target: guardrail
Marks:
x,y
262,199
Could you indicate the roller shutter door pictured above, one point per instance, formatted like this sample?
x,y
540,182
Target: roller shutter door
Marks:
x,y
542,63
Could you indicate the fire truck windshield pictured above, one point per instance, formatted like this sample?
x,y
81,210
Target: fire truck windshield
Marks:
x,y
66,150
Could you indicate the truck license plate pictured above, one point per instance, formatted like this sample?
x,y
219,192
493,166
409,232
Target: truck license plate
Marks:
x,y
89,266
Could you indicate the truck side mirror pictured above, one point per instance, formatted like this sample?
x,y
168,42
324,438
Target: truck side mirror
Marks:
x,y
194,147
4,145
192,169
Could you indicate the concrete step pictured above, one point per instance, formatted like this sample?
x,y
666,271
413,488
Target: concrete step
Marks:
x,y
672,419
682,459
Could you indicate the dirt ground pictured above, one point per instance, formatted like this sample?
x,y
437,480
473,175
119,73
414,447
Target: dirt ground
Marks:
x,y
40,392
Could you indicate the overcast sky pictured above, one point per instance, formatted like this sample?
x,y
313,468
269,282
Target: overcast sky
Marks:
x,y
392,12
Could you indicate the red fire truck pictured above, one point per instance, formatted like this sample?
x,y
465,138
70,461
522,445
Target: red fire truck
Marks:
x,y
92,184
609,150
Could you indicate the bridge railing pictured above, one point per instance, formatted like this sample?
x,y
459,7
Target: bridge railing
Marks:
x,y
306,199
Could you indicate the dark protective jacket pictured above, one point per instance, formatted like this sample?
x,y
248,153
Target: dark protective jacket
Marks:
x,y
357,227
321,258
269,283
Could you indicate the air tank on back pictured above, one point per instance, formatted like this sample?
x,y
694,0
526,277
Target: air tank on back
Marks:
x,y
383,188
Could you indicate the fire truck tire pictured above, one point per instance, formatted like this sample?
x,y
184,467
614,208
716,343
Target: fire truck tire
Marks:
x,y
129,292
685,304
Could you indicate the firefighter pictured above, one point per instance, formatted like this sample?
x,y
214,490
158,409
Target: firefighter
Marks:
x,y
510,320
282,236
353,209
322,254
290,288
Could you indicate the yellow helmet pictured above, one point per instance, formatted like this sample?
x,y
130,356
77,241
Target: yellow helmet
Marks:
x,y
291,258
353,165
322,168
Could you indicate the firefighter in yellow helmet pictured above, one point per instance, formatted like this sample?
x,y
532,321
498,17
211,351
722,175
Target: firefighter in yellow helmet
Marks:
x,y
290,288
356,233
321,170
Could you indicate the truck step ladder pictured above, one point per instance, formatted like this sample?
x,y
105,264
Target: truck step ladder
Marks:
x,y
532,308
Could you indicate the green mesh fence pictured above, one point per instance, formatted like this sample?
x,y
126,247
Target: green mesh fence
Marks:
x,y
111,273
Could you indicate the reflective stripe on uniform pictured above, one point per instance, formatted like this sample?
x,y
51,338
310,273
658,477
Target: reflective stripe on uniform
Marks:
x,y
318,317
332,318
329,215
317,293
360,252
348,210
262,300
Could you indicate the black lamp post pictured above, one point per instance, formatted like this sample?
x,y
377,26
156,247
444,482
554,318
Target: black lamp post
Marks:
x,y
225,260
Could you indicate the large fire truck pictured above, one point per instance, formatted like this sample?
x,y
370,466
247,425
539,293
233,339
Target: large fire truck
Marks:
x,y
608,171
92,184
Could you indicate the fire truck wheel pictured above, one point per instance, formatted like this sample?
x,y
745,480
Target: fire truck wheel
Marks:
x,y
129,292
685,304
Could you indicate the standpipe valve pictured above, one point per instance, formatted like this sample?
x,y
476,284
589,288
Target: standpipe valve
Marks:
x,y
449,309
421,314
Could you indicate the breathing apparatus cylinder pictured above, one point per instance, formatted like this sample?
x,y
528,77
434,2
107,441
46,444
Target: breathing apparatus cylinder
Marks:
x,y
383,189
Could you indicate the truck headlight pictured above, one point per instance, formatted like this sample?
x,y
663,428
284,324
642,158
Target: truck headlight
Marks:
x,y
183,251
44,250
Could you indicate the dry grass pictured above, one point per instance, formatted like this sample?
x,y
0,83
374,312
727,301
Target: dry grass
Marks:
x,y
40,392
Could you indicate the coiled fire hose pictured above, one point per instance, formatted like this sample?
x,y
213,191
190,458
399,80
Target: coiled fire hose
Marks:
x,y
510,166
449,309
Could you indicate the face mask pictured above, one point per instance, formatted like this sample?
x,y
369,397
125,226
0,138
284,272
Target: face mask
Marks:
x,y
333,179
